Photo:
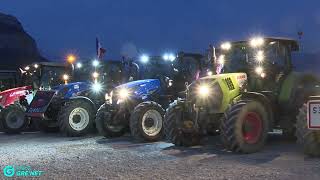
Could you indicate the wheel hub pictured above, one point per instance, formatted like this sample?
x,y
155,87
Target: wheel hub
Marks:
x,y
149,122
76,118
15,120
79,119
252,127
152,122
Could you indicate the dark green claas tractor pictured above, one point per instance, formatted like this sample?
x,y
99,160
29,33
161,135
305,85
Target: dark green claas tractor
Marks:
x,y
254,91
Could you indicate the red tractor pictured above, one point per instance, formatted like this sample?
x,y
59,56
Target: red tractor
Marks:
x,y
12,108
14,102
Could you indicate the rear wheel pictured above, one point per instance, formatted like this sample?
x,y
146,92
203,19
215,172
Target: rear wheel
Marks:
x,y
173,127
244,127
13,118
308,139
76,118
146,121
104,124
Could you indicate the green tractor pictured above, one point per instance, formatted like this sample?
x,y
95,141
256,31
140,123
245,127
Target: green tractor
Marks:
x,y
254,91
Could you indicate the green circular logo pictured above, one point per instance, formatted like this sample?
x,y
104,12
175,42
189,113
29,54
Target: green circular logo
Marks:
x,y
8,171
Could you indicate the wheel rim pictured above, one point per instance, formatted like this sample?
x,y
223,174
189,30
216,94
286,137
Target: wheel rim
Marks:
x,y
79,119
15,120
152,122
252,128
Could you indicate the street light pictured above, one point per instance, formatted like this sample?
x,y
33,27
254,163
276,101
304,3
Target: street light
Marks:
x,y
71,58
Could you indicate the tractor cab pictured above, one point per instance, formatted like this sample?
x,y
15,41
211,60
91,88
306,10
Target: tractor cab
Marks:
x,y
45,75
187,68
174,71
8,79
119,72
104,75
266,61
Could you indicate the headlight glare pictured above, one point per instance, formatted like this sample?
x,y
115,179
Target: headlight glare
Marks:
x,y
204,90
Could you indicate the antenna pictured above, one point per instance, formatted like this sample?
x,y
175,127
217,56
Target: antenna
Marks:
x,y
300,34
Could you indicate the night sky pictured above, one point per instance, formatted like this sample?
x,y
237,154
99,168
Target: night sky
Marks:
x,y
154,27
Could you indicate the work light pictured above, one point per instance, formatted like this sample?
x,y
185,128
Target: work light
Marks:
x,y
226,46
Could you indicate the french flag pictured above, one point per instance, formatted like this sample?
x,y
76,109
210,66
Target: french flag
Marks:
x,y
100,51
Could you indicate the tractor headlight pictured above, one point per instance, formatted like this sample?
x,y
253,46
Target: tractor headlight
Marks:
x,y
123,94
96,87
204,90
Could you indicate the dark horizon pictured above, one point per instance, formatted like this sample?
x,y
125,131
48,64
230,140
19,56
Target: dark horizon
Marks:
x,y
61,27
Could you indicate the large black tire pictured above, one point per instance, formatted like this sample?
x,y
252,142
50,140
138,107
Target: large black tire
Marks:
x,y
139,129
240,138
13,118
84,114
44,126
308,139
172,127
103,117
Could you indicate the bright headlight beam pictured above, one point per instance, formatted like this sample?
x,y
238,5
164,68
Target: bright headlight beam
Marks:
x,y
144,58
203,90
124,93
256,42
95,75
221,59
65,77
172,57
96,87
165,57
260,56
79,65
226,46
259,70
95,63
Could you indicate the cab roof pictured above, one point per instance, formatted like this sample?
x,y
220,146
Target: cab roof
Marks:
x,y
292,43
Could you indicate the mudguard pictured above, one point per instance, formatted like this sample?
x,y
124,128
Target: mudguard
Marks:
x,y
84,99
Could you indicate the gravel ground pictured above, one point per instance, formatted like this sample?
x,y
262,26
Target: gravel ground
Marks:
x,y
94,157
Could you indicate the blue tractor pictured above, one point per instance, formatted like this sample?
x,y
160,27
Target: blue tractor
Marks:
x,y
71,107
139,106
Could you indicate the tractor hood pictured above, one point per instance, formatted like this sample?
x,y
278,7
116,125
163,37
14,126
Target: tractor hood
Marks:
x,y
71,89
216,91
11,95
141,87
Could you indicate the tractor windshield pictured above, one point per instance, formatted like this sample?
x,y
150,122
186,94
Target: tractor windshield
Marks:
x,y
113,73
83,72
51,76
241,57
157,67
43,76
187,68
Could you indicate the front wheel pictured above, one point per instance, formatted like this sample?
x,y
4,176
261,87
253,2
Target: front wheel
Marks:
x,y
245,126
173,127
13,118
146,121
307,138
76,118
104,123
